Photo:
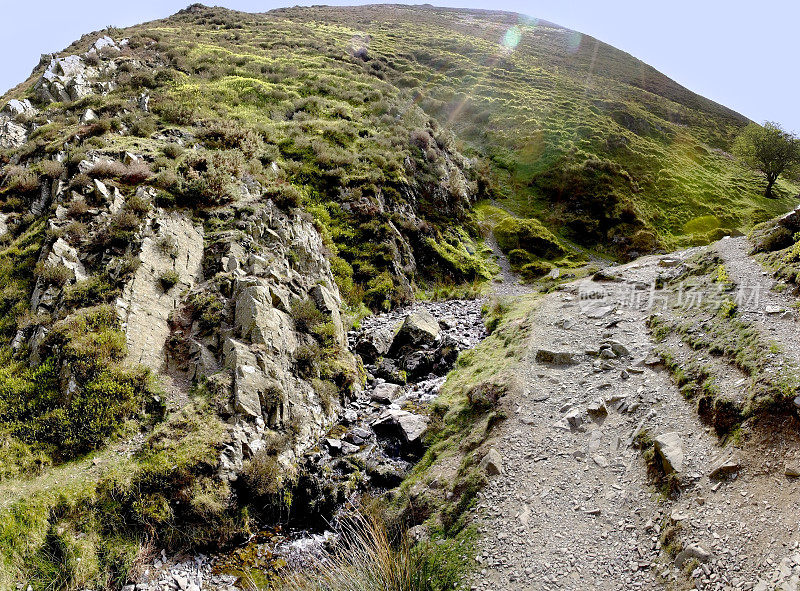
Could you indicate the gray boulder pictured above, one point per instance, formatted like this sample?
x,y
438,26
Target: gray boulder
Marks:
x,y
375,344
418,329
385,393
329,304
492,463
402,424
256,319
724,467
555,357
88,116
692,552
670,450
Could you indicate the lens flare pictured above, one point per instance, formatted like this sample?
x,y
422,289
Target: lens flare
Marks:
x,y
512,38
573,41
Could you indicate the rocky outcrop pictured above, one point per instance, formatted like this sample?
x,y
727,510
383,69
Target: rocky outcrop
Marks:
x,y
262,361
174,245
71,78
12,135
13,130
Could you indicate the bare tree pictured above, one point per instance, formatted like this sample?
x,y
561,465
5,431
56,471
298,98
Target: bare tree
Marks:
x,y
769,149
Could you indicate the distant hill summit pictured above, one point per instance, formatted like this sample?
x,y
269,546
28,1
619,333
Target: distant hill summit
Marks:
x,y
580,134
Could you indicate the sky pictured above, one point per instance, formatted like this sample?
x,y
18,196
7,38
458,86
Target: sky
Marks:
x,y
742,54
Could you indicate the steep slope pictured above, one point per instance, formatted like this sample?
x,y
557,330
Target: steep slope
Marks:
x,y
579,133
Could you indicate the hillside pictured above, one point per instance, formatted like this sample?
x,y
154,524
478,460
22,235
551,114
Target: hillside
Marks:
x,y
221,239
580,134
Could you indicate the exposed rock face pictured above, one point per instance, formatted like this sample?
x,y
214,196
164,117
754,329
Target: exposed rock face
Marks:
x,y
15,108
65,80
12,135
61,255
275,261
174,245
71,78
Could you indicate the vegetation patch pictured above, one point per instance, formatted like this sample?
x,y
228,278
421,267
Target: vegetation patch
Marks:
x,y
462,420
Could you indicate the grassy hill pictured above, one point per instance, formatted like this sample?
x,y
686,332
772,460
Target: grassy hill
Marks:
x,y
587,138
579,134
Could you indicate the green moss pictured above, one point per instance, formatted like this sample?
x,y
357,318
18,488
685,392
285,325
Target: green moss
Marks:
x,y
460,259
527,235
701,225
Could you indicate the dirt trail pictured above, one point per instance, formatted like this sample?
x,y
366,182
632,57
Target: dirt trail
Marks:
x,y
507,282
771,311
574,508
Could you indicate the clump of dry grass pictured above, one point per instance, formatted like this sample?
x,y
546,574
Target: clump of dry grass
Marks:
x,y
365,559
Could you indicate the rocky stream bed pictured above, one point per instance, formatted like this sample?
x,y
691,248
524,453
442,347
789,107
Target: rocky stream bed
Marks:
x,y
406,355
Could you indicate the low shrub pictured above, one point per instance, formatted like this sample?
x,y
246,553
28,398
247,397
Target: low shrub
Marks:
x,y
230,135
81,394
307,359
57,275
89,292
535,269
168,280
51,169
20,179
284,195
208,177
306,315
77,208
107,169
265,483
123,223
173,151
139,204
136,173
209,311
76,232
370,556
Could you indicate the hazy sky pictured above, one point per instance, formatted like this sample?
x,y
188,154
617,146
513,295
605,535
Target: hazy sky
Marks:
x,y
741,54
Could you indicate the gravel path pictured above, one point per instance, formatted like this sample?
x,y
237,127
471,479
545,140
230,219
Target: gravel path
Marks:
x,y
771,311
507,282
574,508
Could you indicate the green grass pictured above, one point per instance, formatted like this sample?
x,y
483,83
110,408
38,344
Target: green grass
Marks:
x,y
85,523
558,100
372,557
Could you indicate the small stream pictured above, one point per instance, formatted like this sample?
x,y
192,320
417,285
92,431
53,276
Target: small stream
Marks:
x,y
370,450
